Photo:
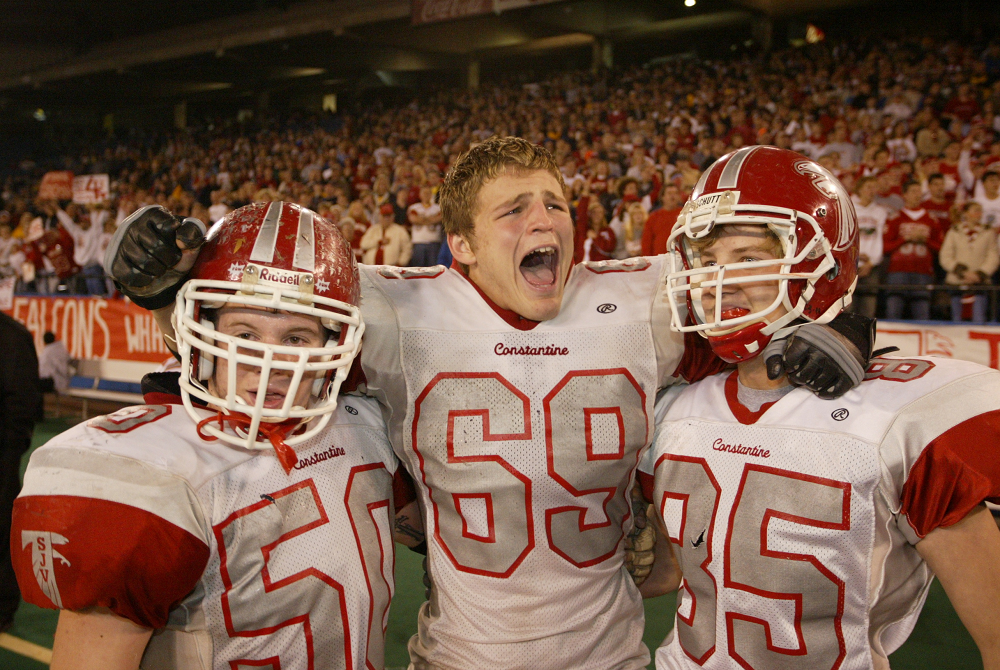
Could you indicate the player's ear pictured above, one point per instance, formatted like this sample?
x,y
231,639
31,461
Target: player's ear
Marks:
x,y
461,249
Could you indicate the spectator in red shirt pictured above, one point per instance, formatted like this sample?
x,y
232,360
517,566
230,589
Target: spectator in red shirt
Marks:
x,y
52,256
961,109
938,203
911,240
661,222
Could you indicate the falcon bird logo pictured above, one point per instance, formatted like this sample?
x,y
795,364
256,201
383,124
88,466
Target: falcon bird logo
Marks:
x,y
43,558
831,187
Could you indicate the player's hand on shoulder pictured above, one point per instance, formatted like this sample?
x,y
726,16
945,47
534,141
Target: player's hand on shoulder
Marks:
x,y
828,359
151,253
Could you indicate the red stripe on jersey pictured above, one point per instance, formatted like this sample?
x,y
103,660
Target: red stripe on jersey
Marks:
x,y
646,481
954,473
111,555
403,490
698,361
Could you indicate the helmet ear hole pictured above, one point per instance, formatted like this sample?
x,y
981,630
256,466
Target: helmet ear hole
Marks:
x,y
318,385
206,361
833,272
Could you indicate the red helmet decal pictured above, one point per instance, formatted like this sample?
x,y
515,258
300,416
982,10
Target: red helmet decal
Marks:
x,y
830,186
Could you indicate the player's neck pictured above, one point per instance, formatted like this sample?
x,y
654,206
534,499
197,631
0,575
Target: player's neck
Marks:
x,y
753,374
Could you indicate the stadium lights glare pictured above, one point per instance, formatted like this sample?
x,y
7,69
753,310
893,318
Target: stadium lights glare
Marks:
x,y
689,3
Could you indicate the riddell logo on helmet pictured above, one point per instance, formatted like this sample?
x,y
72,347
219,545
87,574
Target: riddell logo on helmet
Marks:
x,y
278,276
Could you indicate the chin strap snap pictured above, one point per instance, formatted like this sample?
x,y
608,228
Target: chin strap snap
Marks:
x,y
274,432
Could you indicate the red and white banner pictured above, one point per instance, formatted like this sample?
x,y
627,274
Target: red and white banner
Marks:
x,y
56,186
432,11
93,327
91,188
979,344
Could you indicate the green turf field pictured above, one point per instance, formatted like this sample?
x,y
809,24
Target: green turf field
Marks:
x,y
939,641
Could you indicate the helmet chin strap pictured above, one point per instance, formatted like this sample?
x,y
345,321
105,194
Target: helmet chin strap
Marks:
x,y
274,432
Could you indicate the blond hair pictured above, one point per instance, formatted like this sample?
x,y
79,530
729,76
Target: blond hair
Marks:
x,y
459,194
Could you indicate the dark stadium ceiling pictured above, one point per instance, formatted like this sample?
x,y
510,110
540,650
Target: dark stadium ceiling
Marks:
x,y
68,51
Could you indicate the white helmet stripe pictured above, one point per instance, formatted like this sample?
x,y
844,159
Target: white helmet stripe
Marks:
x,y
730,177
700,186
263,248
305,243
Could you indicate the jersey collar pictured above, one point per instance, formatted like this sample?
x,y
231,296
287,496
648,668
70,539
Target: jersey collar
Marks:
x,y
513,319
740,411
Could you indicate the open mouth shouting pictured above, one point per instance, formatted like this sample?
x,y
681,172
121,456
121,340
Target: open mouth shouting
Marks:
x,y
540,268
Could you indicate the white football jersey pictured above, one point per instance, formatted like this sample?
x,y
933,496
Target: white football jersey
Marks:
x,y
235,563
523,442
795,525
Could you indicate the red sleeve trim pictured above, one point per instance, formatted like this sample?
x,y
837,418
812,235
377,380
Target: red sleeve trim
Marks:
x,y
698,361
76,553
646,481
955,472
403,491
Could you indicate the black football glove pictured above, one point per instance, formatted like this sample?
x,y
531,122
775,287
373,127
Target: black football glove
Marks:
x,y
815,357
151,254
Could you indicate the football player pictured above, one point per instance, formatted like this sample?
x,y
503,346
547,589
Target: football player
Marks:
x,y
518,391
807,531
247,522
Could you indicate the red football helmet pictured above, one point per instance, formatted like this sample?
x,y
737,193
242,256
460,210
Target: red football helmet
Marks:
x,y
287,259
810,213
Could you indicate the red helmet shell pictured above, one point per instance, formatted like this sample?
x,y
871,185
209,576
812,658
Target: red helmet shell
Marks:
x,y
769,176
285,240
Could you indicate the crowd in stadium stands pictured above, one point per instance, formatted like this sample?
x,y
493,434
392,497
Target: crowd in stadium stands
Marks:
x,y
911,127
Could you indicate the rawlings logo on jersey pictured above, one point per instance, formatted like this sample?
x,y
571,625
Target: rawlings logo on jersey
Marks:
x,y
43,557
831,187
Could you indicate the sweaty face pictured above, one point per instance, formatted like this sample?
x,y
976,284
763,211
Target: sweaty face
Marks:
x,y
742,244
522,246
266,327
